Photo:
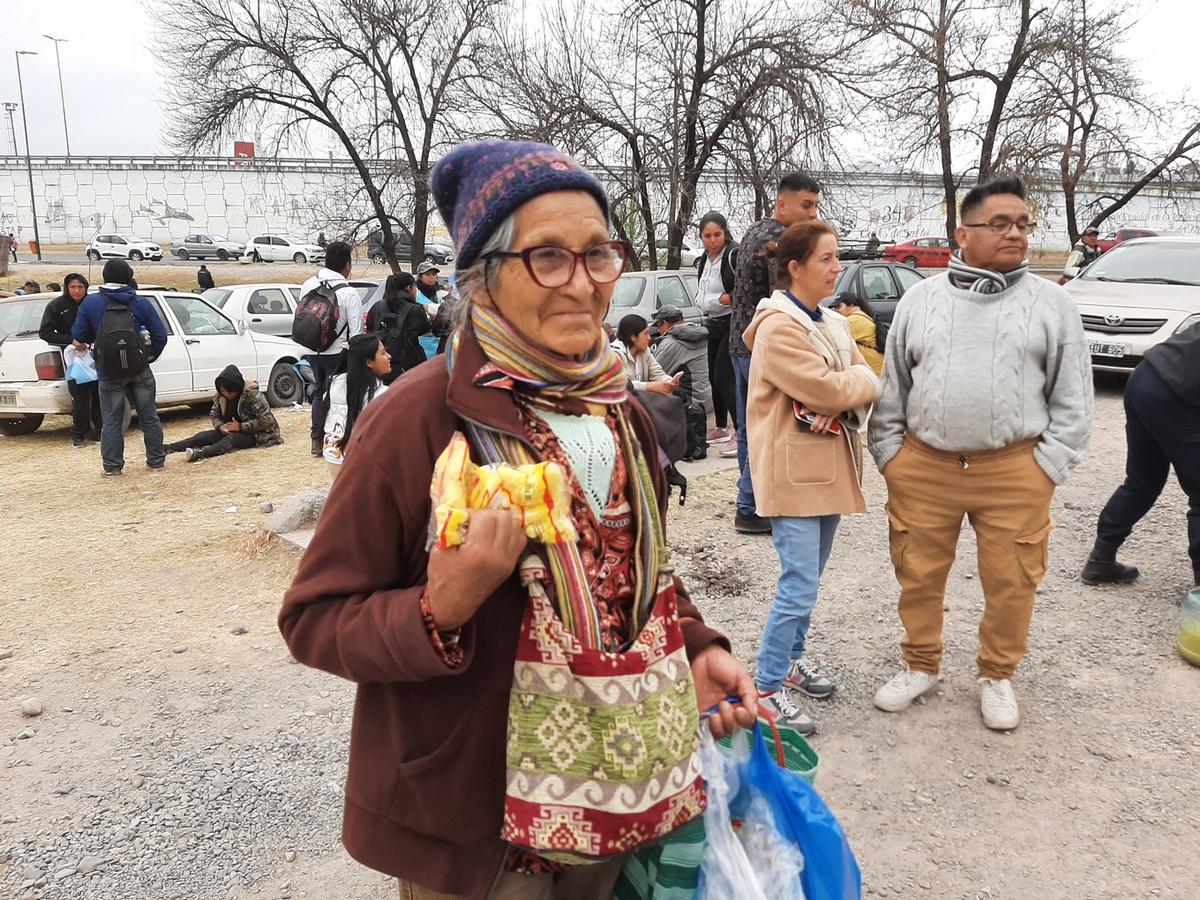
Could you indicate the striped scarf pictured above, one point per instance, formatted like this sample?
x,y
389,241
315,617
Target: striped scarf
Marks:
x,y
541,379
982,281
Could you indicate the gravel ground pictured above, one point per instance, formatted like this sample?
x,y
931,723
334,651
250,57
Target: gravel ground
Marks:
x,y
181,754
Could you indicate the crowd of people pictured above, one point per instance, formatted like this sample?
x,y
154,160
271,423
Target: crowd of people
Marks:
x,y
979,415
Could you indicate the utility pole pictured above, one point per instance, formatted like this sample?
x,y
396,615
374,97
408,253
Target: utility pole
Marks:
x,y
10,108
62,95
37,239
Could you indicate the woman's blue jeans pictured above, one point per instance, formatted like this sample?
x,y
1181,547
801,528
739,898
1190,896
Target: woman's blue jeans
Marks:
x,y
803,544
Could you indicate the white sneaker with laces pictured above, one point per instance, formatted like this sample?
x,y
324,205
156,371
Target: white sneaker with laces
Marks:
x,y
903,688
998,703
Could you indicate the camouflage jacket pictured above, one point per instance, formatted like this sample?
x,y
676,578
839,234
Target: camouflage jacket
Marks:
x,y
253,413
753,280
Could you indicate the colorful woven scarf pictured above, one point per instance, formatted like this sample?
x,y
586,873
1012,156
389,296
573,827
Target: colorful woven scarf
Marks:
x,y
542,379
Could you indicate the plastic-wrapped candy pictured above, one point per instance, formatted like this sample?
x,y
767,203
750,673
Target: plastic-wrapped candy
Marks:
x,y
539,492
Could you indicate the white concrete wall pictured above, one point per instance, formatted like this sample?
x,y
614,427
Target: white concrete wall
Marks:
x,y
74,203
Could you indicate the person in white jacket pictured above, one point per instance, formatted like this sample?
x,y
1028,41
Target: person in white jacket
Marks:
x,y
633,346
338,259
367,361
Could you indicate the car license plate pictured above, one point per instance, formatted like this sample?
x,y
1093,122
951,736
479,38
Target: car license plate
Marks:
x,y
8,398
1117,351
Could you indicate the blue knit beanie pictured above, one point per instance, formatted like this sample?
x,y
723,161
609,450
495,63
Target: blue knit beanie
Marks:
x,y
477,186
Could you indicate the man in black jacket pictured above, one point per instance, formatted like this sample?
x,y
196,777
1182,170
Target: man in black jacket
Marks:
x,y
204,278
57,322
1162,429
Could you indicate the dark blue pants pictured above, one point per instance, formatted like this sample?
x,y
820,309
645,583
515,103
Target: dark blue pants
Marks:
x,y
1161,431
324,367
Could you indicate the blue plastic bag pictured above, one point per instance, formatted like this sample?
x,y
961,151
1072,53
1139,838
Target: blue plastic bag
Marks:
x,y
830,869
81,367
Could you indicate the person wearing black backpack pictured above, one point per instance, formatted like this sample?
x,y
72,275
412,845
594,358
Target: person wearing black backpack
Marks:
x,y
329,314
399,321
126,335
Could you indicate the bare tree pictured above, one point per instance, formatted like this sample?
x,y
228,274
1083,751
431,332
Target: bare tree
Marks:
x,y
955,69
383,78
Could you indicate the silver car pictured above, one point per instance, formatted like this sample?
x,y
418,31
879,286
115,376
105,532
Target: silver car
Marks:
x,y
645,292
205,246
265,308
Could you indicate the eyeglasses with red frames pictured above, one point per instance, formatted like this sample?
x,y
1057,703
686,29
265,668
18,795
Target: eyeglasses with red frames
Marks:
x,y
551,266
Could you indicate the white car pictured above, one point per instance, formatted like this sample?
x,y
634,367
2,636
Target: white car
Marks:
x,y
265,308
201,341
280,248
115,246
1137,295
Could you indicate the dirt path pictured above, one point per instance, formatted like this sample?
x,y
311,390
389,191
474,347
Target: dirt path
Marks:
x,y
216,771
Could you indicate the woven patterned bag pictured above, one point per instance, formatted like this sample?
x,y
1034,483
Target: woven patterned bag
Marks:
x,y
602,747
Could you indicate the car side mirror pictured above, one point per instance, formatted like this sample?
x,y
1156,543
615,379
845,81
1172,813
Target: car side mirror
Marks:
x,y
240,324
1071,272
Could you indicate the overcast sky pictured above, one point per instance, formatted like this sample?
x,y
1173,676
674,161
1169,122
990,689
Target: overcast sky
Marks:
x,y
112,83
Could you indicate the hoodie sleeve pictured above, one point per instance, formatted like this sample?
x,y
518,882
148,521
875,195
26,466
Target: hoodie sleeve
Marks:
x,y
261,418
84,330
669,353
48,332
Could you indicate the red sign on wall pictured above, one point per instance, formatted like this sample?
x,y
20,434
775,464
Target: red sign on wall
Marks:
x,y
243,149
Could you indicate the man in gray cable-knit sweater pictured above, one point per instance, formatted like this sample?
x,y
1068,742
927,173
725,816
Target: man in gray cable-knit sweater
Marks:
x,y
986,407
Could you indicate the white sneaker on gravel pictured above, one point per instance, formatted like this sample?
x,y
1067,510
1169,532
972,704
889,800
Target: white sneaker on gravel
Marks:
x,y
903,688
998,703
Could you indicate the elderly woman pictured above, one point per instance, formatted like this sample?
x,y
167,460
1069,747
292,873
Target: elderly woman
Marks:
x,y
810,392
469,694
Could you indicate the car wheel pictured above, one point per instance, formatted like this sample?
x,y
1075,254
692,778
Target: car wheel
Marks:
x,y
94,255
378,259
910,261
222,255
299,259
182,253
429,258
15,426
136,255
285,386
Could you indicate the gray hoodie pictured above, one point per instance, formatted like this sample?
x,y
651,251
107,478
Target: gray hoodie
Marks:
x,y
685,346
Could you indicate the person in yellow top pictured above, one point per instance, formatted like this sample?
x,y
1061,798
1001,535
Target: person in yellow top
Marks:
x,y
862,327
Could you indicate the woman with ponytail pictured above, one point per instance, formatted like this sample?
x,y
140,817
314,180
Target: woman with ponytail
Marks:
x,y
367,363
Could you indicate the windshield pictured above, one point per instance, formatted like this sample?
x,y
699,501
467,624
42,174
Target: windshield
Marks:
x,y
19,317
628,292
217,296
219,237
1166,262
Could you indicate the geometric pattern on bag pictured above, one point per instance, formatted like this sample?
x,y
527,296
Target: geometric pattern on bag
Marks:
x,y
602,747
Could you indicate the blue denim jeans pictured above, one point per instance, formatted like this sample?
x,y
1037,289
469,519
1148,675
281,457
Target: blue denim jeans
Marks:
x,y
803,545
139,391
741,381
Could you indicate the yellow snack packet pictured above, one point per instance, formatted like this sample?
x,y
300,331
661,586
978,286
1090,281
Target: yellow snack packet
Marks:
x,y
540,492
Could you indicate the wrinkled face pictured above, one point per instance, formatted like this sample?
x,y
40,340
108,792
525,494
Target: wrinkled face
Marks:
x,y
381,362
796,206
75,290
813,279
985,248
565,320
714,238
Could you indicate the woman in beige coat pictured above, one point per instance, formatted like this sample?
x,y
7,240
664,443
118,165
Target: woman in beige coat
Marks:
x,y
810,392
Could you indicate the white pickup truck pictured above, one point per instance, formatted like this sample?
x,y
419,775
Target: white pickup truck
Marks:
x,y
201,341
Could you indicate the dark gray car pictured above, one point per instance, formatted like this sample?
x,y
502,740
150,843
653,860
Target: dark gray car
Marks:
x,y
882,283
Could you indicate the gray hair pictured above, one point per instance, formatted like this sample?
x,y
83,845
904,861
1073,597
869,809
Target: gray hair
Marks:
x,y
472,280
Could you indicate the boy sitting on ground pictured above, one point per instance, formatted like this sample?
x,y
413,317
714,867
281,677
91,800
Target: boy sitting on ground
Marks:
x,y
241,419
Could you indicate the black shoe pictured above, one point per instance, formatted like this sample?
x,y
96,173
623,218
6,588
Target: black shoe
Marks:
x,y
1103,571
77,441
751,523
318,448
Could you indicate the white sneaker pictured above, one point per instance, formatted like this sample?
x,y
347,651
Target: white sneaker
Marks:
x,y
998,703
904,688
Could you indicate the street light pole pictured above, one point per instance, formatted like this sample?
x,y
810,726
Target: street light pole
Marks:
x,y
11,108
62,95
37,239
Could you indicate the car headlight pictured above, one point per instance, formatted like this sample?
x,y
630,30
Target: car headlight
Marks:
x,y
1188,323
